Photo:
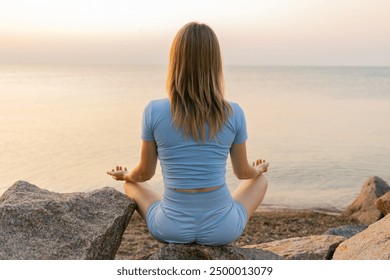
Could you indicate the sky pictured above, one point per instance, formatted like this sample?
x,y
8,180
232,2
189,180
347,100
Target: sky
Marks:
x,y
251,32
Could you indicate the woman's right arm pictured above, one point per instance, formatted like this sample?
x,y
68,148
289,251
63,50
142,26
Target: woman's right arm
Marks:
x,y
241,167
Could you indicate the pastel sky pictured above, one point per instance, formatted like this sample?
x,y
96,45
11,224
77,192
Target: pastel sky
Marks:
x,y
259,32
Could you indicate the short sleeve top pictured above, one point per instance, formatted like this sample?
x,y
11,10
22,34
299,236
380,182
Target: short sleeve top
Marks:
x,y
186,163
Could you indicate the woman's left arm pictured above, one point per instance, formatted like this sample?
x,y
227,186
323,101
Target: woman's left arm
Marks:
x,y
145,169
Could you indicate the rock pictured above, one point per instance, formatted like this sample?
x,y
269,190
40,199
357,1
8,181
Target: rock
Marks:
x,y
346,231
39,224
202,252
363,209
315,247
383,204
370,244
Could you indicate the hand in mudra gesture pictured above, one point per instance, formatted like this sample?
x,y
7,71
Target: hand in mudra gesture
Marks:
x,y
118,173
261,165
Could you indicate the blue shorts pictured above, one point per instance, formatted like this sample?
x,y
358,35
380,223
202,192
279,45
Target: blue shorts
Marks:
x,y
209,218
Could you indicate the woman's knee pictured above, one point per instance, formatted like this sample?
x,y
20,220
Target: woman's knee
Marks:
x,y
130,189
143,196
261,189
134,189
263,181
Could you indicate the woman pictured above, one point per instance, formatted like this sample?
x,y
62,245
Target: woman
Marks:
x,y
191,133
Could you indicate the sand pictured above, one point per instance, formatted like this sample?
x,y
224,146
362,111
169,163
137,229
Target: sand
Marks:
x,y
264,226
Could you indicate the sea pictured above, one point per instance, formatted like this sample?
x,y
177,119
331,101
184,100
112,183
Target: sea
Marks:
x,y
324,130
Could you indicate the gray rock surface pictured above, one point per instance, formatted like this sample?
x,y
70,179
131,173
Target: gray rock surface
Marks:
x,y
370,244
363,208
383,204
202,252
315,247
346,231
39,224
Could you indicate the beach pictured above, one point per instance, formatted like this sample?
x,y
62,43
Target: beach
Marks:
x,y
320,128
266,225
314,125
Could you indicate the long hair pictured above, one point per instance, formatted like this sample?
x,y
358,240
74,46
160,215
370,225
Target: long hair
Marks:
x,y
195,82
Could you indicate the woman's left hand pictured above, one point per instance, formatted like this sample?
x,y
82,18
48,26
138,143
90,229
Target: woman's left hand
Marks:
x,y
119,173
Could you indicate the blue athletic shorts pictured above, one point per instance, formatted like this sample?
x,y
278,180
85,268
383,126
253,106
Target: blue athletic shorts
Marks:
x,y
209,218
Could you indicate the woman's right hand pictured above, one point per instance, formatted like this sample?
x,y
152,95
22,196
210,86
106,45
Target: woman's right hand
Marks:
x,y
119,174
261,166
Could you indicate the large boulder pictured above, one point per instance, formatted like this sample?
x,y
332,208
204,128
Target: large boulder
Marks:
x,y
363,208
39,224
202,252
370,244
383,204
315,247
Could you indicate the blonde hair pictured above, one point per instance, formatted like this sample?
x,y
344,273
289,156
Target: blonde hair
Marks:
x,y
195,82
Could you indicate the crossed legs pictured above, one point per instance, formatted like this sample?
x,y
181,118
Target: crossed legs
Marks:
x,y
250,193
143,195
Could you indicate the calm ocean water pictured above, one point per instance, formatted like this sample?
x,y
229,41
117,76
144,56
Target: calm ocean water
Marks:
x,y
324,130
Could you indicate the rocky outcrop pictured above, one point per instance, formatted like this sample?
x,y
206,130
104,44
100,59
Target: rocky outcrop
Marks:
x,y
202,252
383,204
346,231
363,209
39,224
370,244
316,247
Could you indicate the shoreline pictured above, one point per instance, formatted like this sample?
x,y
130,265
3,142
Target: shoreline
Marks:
x,y
272,207
268,223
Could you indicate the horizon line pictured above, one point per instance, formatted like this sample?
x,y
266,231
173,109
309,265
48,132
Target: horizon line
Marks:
x,y
96,64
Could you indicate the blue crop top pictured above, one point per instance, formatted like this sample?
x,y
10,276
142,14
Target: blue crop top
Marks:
x,y
185,163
